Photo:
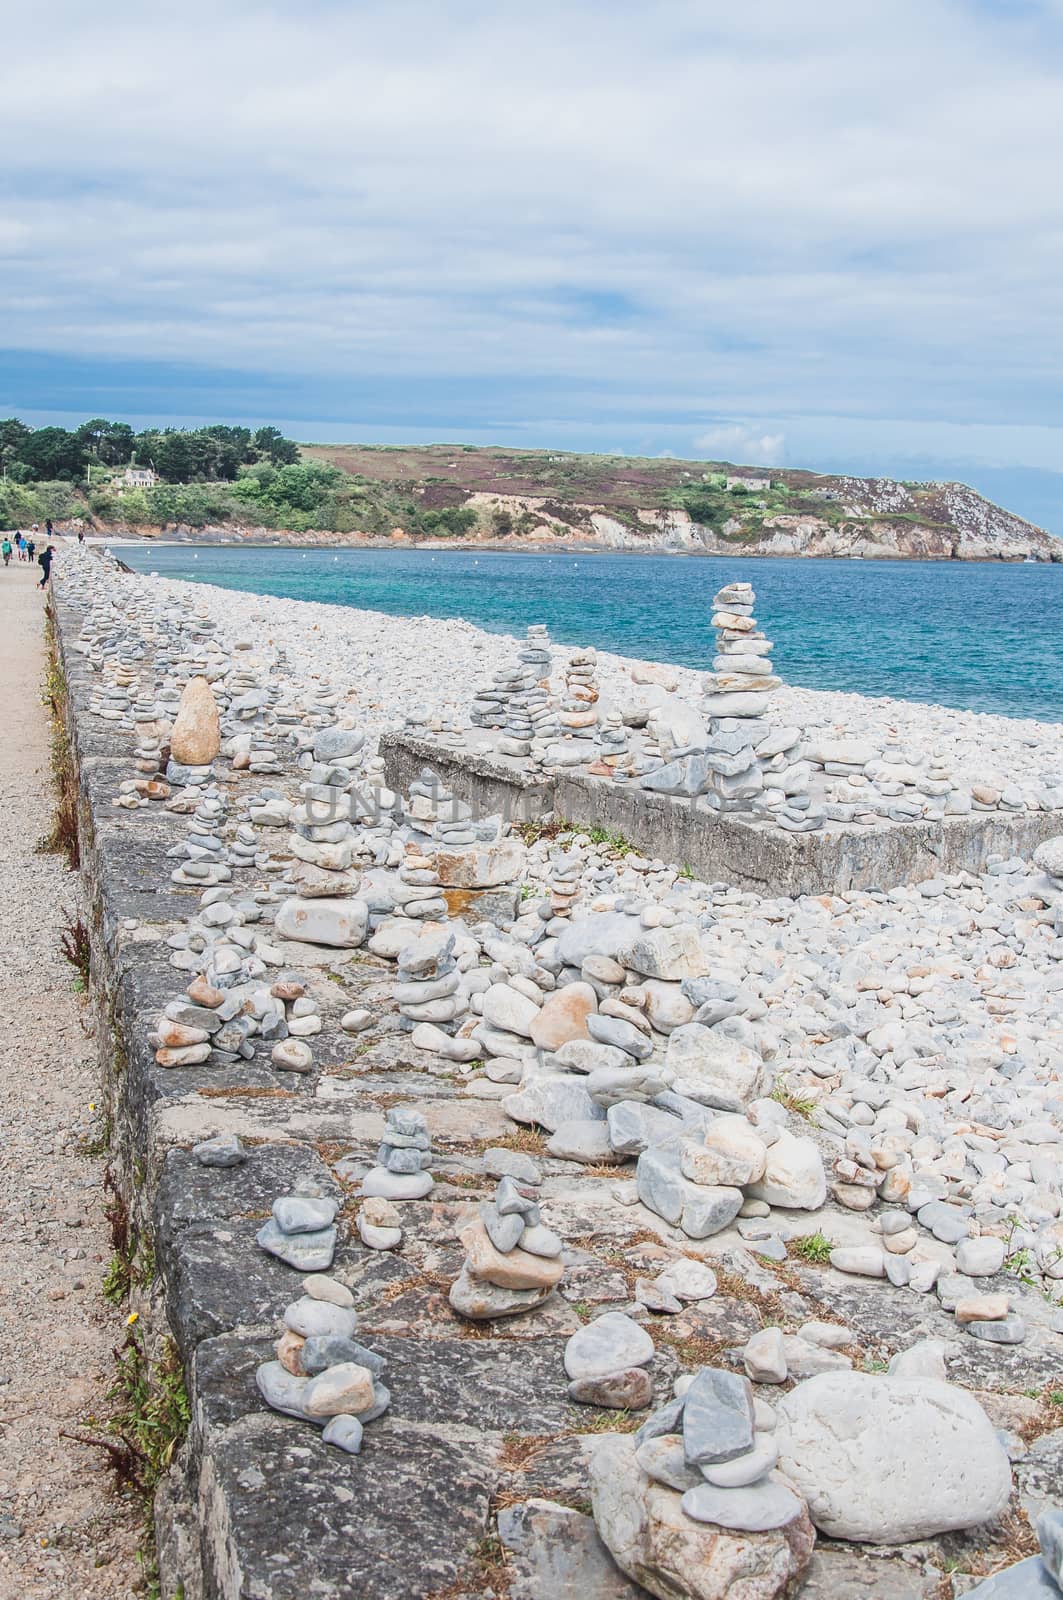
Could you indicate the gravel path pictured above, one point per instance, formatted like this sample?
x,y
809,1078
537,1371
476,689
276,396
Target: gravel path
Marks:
x,y
63,1531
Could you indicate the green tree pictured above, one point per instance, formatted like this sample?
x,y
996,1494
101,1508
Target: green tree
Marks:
x,y
53,453
272,443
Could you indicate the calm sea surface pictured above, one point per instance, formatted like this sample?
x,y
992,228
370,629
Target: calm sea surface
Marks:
x,y
981,637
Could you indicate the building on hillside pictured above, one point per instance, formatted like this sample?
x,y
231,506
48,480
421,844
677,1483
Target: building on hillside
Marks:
x,y
751,485
138,478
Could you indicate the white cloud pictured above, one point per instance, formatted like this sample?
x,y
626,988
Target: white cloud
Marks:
x,y
776,211
741,444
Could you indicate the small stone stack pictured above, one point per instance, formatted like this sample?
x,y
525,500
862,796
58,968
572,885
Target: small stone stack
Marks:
x,y
301,1232
607,1364
325,910
518,700
565,873
736,699
405,1148
614,752
321,1375
579,705
429,985
706,1448
754,768
512,1262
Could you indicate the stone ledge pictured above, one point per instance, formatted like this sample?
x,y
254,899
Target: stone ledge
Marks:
x,y
730,849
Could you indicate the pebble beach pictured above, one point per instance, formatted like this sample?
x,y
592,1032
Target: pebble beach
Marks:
x,y
848,1102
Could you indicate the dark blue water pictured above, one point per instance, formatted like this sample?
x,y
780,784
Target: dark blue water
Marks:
x,y
979,636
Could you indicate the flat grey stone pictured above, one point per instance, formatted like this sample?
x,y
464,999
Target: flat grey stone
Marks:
x,y
717,1417
320,1319
1026,1580
667,1420
501,1163
945,1222
306,1252
295,1214
224,1150
1007,1330
621,1035
282,1391
330,1350
754,1509
503,1231
607,1345
556,1552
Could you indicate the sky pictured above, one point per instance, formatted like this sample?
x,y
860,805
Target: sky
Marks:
x,y
825,234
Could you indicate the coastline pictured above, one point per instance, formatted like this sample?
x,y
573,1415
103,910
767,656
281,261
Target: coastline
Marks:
x,y
741,552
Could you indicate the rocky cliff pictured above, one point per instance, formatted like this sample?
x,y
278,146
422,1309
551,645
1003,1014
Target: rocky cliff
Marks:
x,y
617,502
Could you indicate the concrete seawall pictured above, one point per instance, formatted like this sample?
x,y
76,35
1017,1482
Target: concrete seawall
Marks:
x,y
725,848
256,1507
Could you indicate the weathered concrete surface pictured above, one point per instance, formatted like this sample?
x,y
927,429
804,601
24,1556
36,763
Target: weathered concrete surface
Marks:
x,y
725,848
257,1507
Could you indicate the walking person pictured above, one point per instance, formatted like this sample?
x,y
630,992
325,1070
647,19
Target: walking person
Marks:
x,y
18,545
30,548
44,561
47,529
5,551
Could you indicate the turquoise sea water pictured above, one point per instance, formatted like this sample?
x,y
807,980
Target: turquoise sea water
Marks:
x,y
979,636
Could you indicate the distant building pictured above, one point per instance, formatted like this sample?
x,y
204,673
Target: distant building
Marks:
x,y
139,478
750,484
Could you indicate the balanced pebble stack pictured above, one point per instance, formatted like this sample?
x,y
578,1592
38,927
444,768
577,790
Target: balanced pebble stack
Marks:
x,y
512,1261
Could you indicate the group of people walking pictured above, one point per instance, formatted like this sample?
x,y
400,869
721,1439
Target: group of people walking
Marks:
x,y
25,547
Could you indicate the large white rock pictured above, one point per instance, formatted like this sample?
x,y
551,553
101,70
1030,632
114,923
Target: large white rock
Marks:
x,y
340,923
669,953
793,1175
510,1010
677,726
887,1460
650,1537
1049,856
713,1069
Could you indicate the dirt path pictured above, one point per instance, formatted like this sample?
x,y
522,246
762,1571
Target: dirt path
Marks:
x,y
63,1532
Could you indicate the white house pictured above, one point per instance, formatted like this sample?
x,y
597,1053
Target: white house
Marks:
x,y
138,478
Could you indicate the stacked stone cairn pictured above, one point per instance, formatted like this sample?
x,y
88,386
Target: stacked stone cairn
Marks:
x,y
566,872
512,1261
301,1231
195,738
321,1373
431,995
469,865
518,700
578,716
325,910
614,754
402,1158
691,1503
897,784
607,1364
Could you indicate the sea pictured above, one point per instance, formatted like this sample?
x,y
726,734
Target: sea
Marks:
x,y
978,636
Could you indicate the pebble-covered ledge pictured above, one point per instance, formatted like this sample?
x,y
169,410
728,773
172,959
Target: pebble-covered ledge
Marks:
x,y
474,1479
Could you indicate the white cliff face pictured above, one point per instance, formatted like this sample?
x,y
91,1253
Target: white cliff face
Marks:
x,y
871,518
881,519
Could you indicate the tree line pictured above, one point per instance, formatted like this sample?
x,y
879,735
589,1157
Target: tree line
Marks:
x,y
213,454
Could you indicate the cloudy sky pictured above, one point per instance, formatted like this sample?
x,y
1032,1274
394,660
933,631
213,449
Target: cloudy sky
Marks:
x,y
822,233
